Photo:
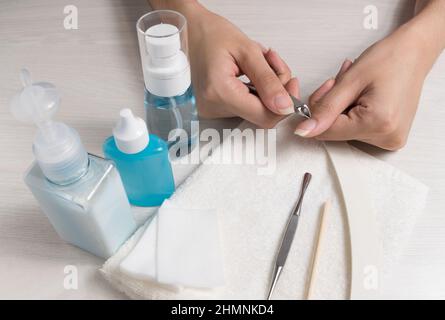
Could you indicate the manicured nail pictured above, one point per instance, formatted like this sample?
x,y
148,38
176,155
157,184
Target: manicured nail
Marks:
x,y
304,128
284,105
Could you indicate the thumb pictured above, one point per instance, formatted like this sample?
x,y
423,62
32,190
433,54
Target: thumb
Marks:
x,y
268,84
327,109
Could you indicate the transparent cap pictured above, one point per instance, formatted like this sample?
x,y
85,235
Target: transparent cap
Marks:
x,y
162,36
57,147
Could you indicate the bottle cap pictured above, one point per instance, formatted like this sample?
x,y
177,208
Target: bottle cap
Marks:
x,y
162,41
130,133
57,147
167,70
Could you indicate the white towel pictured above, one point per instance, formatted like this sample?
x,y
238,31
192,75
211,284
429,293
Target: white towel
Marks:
x,y
253,211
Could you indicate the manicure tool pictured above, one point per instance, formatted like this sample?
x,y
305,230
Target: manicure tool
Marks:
x,y
300,108
289,234
318,247
364,234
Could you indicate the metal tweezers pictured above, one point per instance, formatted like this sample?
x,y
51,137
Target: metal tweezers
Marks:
x,y
300,108
289,234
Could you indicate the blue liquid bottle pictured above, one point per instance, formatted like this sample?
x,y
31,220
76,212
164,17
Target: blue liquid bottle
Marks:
x,y
81,194
170,105
168,116
142,160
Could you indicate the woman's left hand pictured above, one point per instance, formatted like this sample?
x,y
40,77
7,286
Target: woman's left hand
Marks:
x,y
375,99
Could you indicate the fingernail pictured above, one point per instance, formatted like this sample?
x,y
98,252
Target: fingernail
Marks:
x,y
284,105
304,128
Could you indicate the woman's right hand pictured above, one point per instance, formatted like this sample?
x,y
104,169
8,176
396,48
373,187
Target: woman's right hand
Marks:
x,y
220,53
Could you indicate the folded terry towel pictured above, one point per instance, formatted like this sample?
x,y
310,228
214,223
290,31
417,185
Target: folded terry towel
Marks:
x,y
252,213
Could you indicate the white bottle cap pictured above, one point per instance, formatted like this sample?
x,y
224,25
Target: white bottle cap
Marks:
x,y
130,133
162,40
167,70
57,147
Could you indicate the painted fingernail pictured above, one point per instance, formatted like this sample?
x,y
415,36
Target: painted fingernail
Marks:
x,y
284,105
304,128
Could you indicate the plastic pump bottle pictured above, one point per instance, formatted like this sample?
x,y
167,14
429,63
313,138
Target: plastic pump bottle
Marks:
x,y
169,101
81,194
142,160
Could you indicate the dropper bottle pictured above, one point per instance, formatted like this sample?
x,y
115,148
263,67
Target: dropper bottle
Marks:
x,y
81,194
142,160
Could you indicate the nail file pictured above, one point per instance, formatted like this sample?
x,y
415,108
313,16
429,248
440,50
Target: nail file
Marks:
x,y
363,231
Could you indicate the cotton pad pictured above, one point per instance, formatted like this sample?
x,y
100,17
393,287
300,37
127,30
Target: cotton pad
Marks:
x,y
141,262
179,247
188,248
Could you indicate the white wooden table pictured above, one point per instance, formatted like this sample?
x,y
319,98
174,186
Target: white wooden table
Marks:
x,y
97,69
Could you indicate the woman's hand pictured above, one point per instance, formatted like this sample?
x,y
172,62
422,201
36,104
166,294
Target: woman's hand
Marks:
x,y
375,99
219,54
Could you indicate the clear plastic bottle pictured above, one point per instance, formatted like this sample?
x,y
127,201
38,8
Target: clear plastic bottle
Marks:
x,y
166,115
81,194
142,160
169,101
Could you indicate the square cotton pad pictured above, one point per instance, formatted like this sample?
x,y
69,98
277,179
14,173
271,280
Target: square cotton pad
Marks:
x,y
179,247
188,248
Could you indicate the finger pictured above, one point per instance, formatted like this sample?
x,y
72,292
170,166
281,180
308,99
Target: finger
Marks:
x,y
344,128
344,67
324,113
321,91
278,65
263,48
248,106
306,127
270,89
293,87
329,84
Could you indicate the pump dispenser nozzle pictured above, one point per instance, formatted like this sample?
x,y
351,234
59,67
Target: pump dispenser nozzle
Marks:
x,y
164,63
57,147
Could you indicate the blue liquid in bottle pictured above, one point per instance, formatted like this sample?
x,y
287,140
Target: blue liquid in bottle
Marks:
x,y
144,167
167,114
